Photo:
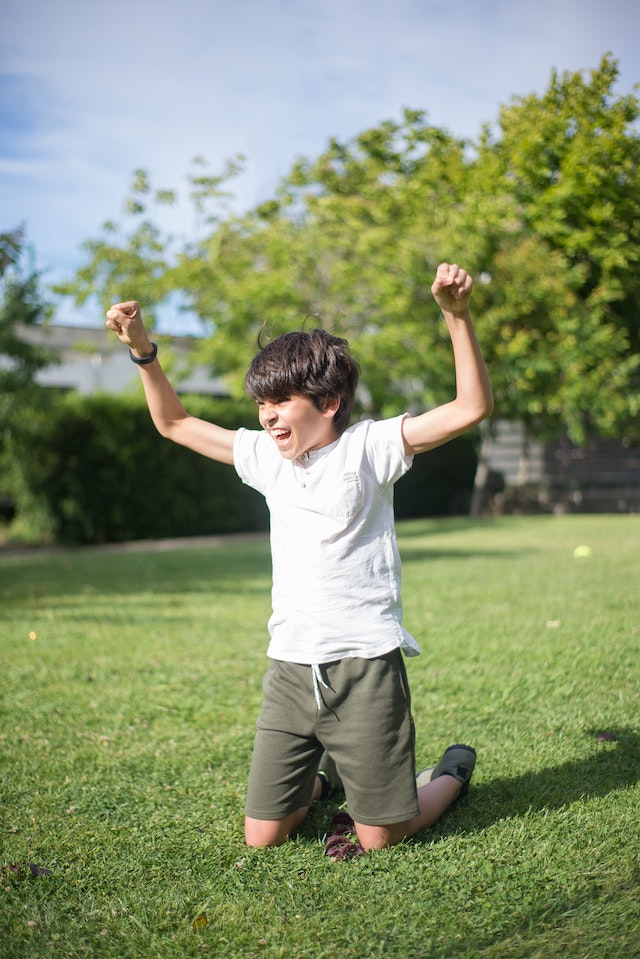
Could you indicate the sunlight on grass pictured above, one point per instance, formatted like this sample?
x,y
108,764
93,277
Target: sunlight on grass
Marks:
x,y
129,689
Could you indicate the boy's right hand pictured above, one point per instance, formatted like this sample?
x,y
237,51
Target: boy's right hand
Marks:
x,y
452,288
125,319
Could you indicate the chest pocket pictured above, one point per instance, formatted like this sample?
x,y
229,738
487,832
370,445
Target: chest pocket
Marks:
x,y
347,500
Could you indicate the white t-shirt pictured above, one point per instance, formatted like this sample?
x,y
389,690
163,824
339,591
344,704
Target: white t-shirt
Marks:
x,y
336,566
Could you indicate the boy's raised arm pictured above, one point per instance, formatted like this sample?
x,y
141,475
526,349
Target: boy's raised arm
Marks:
x,y
474,401
167,412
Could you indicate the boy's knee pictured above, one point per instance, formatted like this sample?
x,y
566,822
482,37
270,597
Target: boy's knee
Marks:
x,y
381,837
271,832
264,832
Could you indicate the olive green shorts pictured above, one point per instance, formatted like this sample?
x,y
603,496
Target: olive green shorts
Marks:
x,y
364,722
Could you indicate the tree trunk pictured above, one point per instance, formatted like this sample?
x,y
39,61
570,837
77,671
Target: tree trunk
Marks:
x,y
479,494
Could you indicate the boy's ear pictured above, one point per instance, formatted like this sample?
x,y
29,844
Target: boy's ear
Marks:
x,y
331,406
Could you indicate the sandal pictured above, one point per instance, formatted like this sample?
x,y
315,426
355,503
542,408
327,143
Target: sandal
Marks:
x,y
458,761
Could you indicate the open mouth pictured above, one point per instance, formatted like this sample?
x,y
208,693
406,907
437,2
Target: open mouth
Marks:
x,y
280,436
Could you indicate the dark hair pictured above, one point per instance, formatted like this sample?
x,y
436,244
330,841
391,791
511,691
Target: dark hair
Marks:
x,y
316,365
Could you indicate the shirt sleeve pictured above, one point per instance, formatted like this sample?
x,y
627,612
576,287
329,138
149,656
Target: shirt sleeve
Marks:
x,y
250,458
385,450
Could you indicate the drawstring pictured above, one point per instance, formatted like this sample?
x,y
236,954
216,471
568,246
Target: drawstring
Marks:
x,y
318,681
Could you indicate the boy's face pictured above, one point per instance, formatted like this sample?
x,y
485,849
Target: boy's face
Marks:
x,y
296,425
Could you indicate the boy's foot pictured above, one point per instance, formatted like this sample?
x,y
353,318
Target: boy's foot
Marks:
x,y
458,761
328,776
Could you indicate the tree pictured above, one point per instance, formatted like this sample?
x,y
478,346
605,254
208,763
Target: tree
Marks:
x,y
21,308
136,256
560,314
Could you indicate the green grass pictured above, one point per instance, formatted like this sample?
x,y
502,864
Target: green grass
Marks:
x,y
126,729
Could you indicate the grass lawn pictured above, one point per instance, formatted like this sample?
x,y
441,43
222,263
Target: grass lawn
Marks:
x,y
129,685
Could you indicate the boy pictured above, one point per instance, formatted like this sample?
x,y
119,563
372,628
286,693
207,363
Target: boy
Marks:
x,y
336,679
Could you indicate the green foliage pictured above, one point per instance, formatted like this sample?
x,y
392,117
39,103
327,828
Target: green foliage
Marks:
x,y
134,261
21,309
440,482
563,322
128,697
98,471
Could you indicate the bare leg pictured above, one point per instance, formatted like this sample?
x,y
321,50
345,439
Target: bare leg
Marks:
x,y
272,832
433,798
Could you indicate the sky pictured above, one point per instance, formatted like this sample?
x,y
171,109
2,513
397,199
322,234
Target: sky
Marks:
x,y
91,90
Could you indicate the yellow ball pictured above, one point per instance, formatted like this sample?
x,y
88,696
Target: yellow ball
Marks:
x,y
582,552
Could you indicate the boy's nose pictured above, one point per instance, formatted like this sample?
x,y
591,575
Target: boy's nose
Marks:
x,y
268,415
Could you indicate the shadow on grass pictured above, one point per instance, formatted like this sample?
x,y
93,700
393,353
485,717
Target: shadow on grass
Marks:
x,y
411,554
410,551
616,766
103,571
423,527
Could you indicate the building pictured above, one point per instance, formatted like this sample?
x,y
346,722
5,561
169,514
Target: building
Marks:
x,y
92,360
559,477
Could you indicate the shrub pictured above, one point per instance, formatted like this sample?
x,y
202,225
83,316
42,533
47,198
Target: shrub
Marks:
x,y
96,467
440,482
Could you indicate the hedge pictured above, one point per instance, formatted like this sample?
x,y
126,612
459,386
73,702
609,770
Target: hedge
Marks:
x,y
94,470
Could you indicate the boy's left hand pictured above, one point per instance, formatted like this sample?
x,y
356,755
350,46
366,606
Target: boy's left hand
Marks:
x,y
452,288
